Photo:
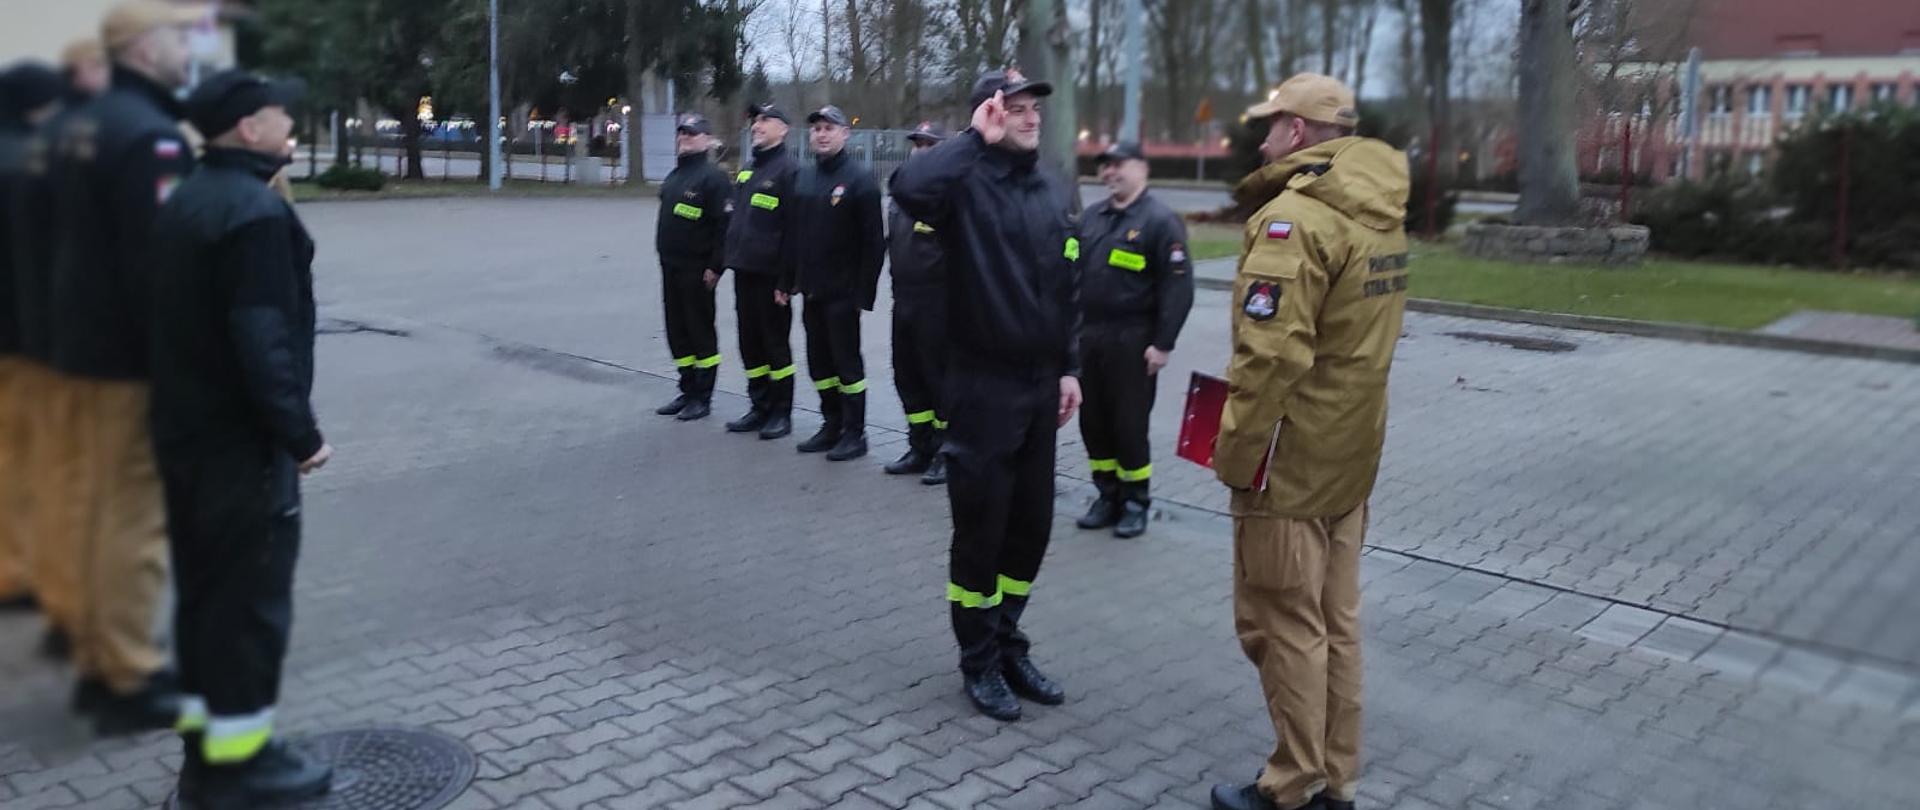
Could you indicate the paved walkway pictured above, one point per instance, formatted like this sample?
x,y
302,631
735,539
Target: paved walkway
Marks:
x,y
620,611
1849,327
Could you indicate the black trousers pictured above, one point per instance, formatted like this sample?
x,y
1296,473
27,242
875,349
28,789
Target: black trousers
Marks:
x,y
233,526
765,329
1119,399
690,332
920,355
1000,456
833,345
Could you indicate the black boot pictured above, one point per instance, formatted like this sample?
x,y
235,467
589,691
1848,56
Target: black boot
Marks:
x,y
1133,519
696,409
193,768
936,471
853,431
832,421
700,398
779,410
1244,797
277,775
1029,682
673,406
991,695
152,707
1105,510
756,417
916,460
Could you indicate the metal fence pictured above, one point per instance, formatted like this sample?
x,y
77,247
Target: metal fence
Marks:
x,y
883,150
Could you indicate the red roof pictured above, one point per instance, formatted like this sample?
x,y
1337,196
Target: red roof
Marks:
x,y
1752,29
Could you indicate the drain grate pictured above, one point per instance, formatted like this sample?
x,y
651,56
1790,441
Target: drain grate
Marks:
x,y
1521,342
386,769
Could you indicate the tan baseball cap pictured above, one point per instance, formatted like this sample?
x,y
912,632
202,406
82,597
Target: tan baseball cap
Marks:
x,y
1313,97
132,19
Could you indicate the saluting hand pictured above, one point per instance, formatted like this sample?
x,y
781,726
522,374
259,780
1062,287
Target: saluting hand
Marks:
x,y
1069,398
990,118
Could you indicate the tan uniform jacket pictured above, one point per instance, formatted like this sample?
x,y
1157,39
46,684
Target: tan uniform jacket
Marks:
x,y
1317,307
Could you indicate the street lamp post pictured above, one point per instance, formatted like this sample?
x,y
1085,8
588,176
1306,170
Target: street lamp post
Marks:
x,y
493,94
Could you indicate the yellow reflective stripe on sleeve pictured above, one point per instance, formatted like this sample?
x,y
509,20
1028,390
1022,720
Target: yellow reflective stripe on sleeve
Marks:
x,y
970,599
1127,260
684,362
236,739
828,383
783,373
922,227
743,176
1072,250
919,417
767,201
939,424
758,371
685,211
1141,474
1103,464
855,387
707,362
1013,587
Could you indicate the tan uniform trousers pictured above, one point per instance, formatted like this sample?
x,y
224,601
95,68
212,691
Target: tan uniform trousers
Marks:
x,y
100,552
1296,609
17,381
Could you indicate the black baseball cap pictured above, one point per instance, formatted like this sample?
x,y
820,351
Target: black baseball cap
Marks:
x,y
28,86
1010,81
829,114
218,103
1122,150
694,123
768,109
928,132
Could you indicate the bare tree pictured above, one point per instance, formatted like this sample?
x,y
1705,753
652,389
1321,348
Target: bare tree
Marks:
x,y
1362,43
1436,47
1549,180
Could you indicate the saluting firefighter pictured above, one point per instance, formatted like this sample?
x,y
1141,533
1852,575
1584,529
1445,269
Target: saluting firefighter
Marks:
x,y
838,247
691,237
1317,306
919,329
1136,288
758,245
1013,380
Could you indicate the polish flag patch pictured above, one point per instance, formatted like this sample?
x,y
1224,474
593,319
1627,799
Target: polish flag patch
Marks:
x,y
1279,229
166,149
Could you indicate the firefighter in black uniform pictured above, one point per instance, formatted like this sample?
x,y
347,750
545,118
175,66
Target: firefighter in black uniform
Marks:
x,y
839,246
691,238
1012,380
1136,287
232,349
757,249
919,330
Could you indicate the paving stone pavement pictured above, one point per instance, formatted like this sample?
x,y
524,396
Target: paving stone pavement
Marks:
x,y
620,611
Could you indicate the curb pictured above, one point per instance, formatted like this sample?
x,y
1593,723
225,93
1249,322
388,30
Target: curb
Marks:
x,y
1654,329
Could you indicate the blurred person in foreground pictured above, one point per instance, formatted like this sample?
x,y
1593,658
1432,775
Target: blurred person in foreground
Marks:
x,y
232,360
113,162
88,73
1317,309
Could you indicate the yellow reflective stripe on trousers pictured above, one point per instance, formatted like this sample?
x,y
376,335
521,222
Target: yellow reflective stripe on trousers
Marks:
x,y
684,362
767,201
758,371
919,417
855,387
1103,465
1141,474
939,424
1013,587
236,739
1072,250
193,714
1127,260
782,373
686,211
826,384
707,362
971,599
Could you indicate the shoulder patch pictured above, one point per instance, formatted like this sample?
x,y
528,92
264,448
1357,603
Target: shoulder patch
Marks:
x,y
1263,300
167,148
1279,229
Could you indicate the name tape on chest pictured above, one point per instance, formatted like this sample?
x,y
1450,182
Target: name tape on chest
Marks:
x,y
1127,260
685,211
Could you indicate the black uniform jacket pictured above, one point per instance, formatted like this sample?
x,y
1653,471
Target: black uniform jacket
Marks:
x,y
758,231
839,241
1134,267
692,231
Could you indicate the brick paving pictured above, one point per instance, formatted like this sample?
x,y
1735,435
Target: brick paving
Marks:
x,y
619,611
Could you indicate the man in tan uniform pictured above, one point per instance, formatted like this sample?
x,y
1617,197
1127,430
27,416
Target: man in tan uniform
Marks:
x,y
1317,307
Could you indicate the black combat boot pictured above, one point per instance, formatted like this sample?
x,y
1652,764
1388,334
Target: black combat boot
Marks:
x,y
832,420
917,458
756,417
853,429
937,469
673,406
276,775
1029,682
991,695
779,410
1133,519
1105,510
1244,797
700,399
152,707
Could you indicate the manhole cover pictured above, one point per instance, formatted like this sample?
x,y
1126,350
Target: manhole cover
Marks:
x,y
386,769
1522,342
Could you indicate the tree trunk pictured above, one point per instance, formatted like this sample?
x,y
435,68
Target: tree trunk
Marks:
x,y
1094,7
1409,62
1046,52
636,76
1363,45
1329,34
1549,179
410,143
1292,38
856,52
1256,36
1436,44
826,47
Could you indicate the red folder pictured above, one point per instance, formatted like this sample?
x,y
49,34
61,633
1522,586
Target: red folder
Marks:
x,y
1206,398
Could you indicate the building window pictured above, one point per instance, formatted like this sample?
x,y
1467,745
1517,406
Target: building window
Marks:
x,y
1839,97
1759,100
1797,95
1884,92
1721,100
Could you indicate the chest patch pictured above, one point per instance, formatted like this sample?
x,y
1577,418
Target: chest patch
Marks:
x,y
839,193
1279,229
1263,300
1133,234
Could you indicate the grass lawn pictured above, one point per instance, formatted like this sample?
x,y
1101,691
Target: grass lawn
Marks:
x,y
1213,240
1726,295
